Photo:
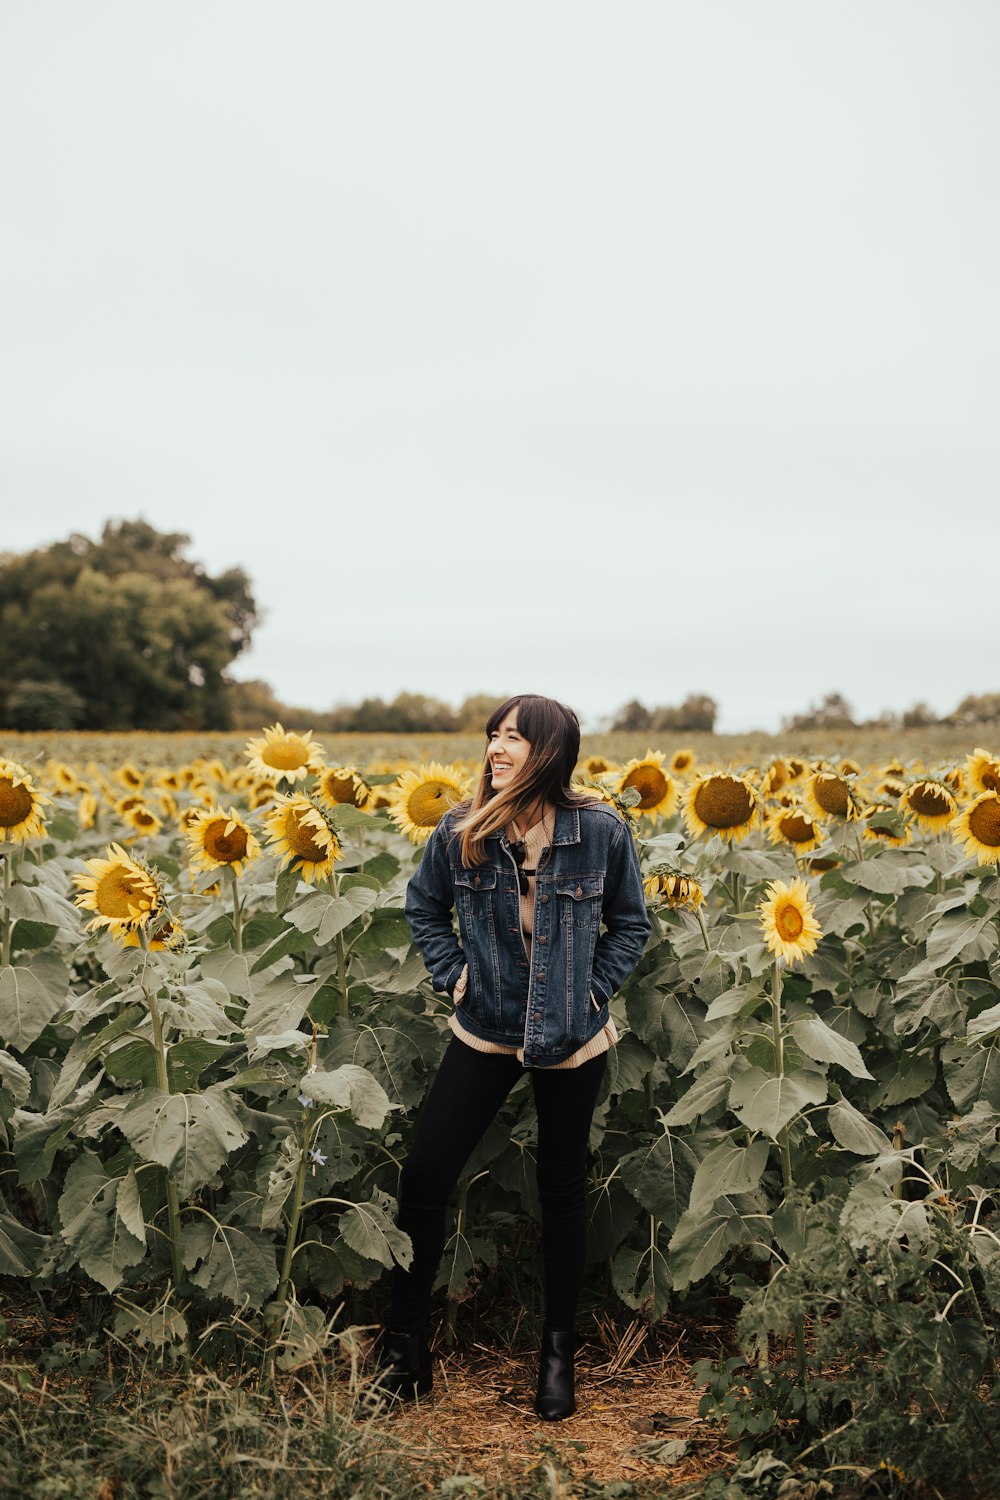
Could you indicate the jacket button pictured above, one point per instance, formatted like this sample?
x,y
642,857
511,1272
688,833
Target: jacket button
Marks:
x,y
536,1015
543,899
541,973
543,939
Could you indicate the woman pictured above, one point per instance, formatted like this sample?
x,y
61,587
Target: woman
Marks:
x,y
551,921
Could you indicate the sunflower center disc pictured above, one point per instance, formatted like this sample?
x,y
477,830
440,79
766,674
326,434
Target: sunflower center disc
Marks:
x,y
225,847
428,804
723,803
931,801
300,839
342,789
984,823
15,803
650,783
289,755
831,794
789,923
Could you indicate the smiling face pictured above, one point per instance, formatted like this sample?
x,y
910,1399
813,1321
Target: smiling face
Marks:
x,y
507,753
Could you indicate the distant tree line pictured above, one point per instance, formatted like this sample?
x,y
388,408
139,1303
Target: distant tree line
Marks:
x,y
254,704
697,714
976,710
128,632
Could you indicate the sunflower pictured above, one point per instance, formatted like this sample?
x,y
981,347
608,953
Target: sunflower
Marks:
x,y
143,819
302,837
86,810
682,761
658,795
163,933
340,785
932,803
261,794
793,825
599,790
22,805
219,839
829,795
722,803
122,891
891,786
982,771
680,892
62,777
421,798
882,823
849,768
280,753
130,776
776,777
789,921
168,806
978,828
595,765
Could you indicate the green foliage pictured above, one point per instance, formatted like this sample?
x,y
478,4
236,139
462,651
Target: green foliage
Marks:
x,y
44,705
901,1305
133,634
211,1135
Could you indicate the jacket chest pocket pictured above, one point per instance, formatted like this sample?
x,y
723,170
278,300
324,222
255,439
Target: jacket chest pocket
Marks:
x,y
475,890
580,899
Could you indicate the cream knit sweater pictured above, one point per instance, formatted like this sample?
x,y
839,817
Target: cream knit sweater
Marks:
x,y
536,842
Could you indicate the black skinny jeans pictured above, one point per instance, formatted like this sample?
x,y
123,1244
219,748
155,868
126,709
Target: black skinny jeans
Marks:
x,y
469,1089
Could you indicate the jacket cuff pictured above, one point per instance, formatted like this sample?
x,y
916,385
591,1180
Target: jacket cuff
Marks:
x,y
454,975
597,993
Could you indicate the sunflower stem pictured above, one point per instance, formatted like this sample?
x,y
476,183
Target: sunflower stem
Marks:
x,y
163,1083
736,892
704,930
451,1307
778,1045
5,954
785,1145
237,912
343,1005
294,1218
649,1091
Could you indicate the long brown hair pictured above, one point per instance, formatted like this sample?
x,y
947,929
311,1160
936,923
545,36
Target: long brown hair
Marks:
x,y
553,734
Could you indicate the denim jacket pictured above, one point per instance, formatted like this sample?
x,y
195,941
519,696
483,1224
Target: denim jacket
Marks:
x,y
590,928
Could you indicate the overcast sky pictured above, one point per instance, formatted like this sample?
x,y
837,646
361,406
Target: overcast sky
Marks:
x,y
604,350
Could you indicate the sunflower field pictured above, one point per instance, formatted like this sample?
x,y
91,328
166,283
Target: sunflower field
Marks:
x,y
215,1034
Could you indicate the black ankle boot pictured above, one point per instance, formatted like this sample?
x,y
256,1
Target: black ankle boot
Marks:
x,y
405,1368
555,1376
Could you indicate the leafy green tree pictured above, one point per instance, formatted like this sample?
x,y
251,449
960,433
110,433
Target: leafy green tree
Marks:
x,y
139,632
44,705
408,713
632,718
697,713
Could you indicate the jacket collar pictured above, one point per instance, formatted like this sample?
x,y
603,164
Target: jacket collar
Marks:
x,y
567,829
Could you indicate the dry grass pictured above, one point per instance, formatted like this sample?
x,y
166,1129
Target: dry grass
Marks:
x,y
631,1402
